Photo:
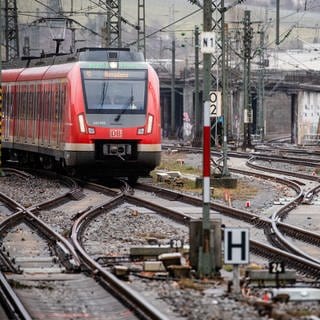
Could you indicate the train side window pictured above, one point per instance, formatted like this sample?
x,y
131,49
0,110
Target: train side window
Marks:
x,y
39,100
19,99
24,101
30,103
51,101
46,102
16,110
36,102
57,102
62,99
7,100
52,106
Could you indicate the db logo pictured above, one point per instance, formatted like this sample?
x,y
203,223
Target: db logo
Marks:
x,y
116,133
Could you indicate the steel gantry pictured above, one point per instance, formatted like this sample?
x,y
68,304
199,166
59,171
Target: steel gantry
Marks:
x,y
113,24
114,20
11,29
141,27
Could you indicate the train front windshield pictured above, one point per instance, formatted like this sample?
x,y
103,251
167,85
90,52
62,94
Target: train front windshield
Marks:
x,y
115,91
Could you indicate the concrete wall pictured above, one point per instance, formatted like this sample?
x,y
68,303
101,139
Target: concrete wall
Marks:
x,y
308,116
286,114
277,114
188,112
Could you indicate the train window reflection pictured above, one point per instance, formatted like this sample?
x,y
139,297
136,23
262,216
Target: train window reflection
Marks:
x,y
115,95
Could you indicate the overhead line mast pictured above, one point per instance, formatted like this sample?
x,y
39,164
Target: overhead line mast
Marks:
x,y
142,27
11,29
113,25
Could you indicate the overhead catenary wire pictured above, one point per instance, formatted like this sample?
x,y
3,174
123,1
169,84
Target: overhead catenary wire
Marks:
x,y
117,14
66,17
167,26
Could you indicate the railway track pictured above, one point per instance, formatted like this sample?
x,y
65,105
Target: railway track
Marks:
x,y
254,220
274,228
242,215
46,264
85,212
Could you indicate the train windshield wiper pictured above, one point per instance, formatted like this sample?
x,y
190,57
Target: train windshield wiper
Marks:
x,y
103,93
130,105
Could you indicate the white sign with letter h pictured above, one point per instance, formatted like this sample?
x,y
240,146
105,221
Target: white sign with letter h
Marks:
x,y
236,245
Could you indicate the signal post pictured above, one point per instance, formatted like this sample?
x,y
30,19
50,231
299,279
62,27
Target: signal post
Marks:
x,y
206,262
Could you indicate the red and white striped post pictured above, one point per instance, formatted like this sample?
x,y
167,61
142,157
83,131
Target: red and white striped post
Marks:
x,y
206,265
206,152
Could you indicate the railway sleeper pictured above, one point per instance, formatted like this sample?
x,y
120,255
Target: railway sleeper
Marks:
x,y
262,278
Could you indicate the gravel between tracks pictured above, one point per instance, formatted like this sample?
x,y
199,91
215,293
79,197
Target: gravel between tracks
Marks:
x,y
178,302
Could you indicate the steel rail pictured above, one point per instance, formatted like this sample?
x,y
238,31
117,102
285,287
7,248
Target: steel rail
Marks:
x,y
125,293
283,212
244,215
28,215
12,303
291,173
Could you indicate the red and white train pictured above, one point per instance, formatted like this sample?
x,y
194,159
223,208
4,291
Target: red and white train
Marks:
x,y
97,111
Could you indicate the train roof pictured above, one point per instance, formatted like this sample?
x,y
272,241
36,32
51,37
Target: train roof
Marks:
x,y
83,54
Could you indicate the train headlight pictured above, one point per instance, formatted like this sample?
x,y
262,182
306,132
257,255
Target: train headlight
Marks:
x,y
113,64
150,123
140,131
91,131
82,123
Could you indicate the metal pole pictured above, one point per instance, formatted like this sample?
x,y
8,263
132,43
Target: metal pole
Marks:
x,y
142,27
246,81
206,259
261,86
225,171
173,106
197,110
277,21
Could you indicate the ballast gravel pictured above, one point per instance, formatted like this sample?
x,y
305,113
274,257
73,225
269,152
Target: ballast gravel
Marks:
x,y
126,226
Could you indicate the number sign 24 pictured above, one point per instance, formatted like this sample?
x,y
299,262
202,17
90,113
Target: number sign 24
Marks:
x,y
276,267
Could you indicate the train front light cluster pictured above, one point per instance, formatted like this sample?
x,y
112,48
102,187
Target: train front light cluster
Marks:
x,y
150,123
82,125
149,128
113,64
140,131
91,130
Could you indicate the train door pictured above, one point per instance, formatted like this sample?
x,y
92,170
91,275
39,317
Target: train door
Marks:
x,y
55,112
20,123
30,114
16,128
8,105
58,115
44,116
24,112
51,112
35,115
